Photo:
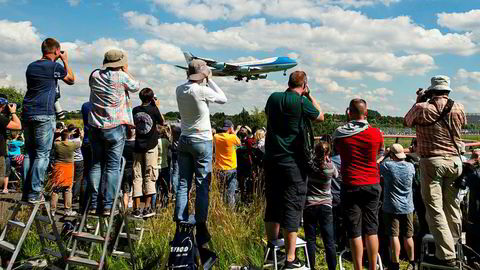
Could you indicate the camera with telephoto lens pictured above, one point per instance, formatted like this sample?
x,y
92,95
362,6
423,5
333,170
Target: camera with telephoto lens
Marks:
x,y
60,114
425,95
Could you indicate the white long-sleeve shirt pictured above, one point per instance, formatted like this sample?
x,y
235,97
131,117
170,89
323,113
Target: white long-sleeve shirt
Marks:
x,y
193,103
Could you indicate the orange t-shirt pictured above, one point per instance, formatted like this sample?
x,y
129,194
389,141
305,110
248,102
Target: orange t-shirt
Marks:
x,y
225,151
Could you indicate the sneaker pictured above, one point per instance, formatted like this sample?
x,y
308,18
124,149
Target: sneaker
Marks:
x,y
148,212
5,191
411,266
70,213
52,213
37,199
137,213
280,257
296,264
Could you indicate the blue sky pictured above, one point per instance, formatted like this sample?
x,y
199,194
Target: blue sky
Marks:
x,y
381,50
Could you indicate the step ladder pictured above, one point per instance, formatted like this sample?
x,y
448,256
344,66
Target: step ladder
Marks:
x,y
276,245
105,226
137,236
428,252
38,218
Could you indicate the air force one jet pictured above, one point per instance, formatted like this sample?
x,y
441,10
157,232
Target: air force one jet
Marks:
x,y
251,70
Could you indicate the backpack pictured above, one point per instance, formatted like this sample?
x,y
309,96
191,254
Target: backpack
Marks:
x,y
182,248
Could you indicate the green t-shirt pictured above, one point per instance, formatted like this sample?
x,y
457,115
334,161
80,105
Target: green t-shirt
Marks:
x,y
283,111
64,150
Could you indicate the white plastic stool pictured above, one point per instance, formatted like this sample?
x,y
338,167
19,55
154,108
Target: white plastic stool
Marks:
x,y
340,259
428,250
278,244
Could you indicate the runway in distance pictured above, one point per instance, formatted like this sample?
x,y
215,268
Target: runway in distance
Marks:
x,y
250,70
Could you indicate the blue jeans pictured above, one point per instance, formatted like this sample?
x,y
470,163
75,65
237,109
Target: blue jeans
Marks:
x,y
320,215
175,172
107,149
39,132
228,179
194,157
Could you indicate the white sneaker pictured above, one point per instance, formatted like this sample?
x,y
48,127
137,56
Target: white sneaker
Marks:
x,y
70,213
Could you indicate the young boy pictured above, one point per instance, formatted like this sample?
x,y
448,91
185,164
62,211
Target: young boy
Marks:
x,y
62,174
127,180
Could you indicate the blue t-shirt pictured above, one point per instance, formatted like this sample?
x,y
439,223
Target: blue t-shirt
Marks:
x,y
15,148
398,179
42,79
86,109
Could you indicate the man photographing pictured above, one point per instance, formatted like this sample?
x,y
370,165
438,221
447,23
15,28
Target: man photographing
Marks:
x,y
285,179
39,114
6,109
438,126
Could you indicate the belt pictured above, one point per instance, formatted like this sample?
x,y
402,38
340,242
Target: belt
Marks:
x,y
432,156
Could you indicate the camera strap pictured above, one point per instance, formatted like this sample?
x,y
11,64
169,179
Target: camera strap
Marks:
x,y
446,110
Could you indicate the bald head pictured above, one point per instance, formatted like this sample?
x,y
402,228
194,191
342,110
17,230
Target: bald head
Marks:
x,y
357,110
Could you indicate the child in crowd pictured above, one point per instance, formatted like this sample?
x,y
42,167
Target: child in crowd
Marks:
x,y
127,179
62,174
318,206
14,145
163,182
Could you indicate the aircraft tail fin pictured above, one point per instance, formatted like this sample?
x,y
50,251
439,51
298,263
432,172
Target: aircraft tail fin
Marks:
x,y
188,57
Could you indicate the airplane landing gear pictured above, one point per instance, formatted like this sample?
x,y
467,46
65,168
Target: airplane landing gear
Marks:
x,y
239,78
285,73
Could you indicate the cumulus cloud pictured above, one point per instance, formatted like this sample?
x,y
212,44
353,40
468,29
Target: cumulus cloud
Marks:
x,y
201,10
465,76
340,30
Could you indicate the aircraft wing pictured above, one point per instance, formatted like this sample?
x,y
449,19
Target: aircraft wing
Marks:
x,y
185,68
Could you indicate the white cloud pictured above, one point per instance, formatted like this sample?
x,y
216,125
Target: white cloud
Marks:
x,y
463,75
73,3
201,10
463,21
340,31
164,51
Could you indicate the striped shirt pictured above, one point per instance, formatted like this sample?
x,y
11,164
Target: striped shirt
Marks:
x,y
434,140
111,103
319,185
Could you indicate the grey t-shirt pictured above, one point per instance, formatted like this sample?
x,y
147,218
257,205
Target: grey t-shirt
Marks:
x,y
398,179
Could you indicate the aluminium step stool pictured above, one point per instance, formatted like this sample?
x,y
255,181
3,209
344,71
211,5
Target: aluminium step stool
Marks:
x,y
105,233
137,236
276,245
38,218
342,253
428,250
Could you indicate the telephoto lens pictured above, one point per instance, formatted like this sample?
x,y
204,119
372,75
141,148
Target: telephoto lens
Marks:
x,y
60,114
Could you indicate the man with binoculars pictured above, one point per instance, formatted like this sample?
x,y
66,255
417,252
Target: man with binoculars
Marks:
x,y
6,110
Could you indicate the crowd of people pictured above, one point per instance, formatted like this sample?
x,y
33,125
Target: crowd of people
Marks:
x,y
352,188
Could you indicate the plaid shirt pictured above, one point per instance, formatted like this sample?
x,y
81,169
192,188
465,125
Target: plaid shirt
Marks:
x,y
434,140
111,103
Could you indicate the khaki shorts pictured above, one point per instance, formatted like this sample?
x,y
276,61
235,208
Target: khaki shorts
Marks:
x,y
145,173
394,224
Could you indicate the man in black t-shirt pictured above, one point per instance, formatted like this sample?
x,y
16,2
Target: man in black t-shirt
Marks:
x,y
5,123
145,172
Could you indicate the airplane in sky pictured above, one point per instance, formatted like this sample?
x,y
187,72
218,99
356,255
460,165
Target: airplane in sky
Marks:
x,y
250,70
